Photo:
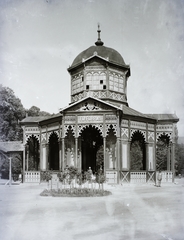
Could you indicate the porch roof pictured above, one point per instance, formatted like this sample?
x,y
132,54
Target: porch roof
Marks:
x,y
33,119
132,112
165,117
13,146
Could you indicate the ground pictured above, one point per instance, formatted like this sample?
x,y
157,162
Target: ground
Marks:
x,y
132,212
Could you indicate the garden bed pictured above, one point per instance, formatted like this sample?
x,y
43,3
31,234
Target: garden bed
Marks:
x,y
75,192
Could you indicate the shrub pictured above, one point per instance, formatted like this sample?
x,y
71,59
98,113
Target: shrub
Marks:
x,y
46,176
84,192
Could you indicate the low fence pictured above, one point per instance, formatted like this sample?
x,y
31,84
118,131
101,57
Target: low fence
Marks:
x,y
167,176
145,176
138,177
111,177
32,177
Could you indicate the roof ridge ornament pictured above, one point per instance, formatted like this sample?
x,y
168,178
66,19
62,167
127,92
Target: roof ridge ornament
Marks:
x,y
99,42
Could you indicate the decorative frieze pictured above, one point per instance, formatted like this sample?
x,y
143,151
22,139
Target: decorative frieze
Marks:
x,y
110,118
135,124
99,94
164,127
90,119
78,97
69,119
124,123
150,126
32,130
116,96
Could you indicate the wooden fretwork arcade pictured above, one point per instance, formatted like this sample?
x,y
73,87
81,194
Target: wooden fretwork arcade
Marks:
x,y
98,129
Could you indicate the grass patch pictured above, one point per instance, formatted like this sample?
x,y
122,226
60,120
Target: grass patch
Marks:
x,y
75,192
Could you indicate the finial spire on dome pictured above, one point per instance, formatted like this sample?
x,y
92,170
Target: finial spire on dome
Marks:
x,y
99,42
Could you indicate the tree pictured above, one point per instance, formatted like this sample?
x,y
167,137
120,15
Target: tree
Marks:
x,y
12,111
179,163
136,156
161,154
35,111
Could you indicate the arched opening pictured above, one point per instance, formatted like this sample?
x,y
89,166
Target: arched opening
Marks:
x,y
53,152
163,152
111,146
70,147
33,155
91,142
137,152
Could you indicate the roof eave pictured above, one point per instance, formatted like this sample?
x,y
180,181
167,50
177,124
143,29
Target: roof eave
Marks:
x,y
145,118
51,120
104,59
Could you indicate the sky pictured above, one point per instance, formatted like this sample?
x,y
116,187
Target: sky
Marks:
x,y
39,40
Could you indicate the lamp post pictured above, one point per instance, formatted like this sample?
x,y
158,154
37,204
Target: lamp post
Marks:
x,y
10,171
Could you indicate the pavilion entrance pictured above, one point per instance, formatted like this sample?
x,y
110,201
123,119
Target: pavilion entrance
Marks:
x,y
91,147
53,158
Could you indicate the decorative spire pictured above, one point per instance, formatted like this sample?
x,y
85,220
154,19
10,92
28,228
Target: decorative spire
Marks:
x,y
99,42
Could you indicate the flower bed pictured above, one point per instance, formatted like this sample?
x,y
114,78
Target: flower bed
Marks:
x,y
75,192
73,183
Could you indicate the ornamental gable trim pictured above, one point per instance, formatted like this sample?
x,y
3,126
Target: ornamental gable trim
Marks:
x,y
90,104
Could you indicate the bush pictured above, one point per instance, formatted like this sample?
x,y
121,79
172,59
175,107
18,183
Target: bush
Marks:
x,y
46,176
84,192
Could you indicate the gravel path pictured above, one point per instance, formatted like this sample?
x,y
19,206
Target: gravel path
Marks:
x,y
131,212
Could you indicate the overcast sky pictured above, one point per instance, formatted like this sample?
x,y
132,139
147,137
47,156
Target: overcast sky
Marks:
x,y
39,39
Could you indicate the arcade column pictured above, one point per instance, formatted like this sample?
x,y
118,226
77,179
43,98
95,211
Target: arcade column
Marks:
x,y
150,157
125,155
104,152
118,158
76,152
44,157
63,153
169,157
173,160
60,155
23,167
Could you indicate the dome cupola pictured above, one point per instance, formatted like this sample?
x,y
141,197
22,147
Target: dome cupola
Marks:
x,y
100,72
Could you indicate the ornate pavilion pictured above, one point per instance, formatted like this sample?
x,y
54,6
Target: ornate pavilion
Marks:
x,y
98,129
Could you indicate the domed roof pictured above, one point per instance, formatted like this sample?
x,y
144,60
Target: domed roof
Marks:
x,y
105,52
